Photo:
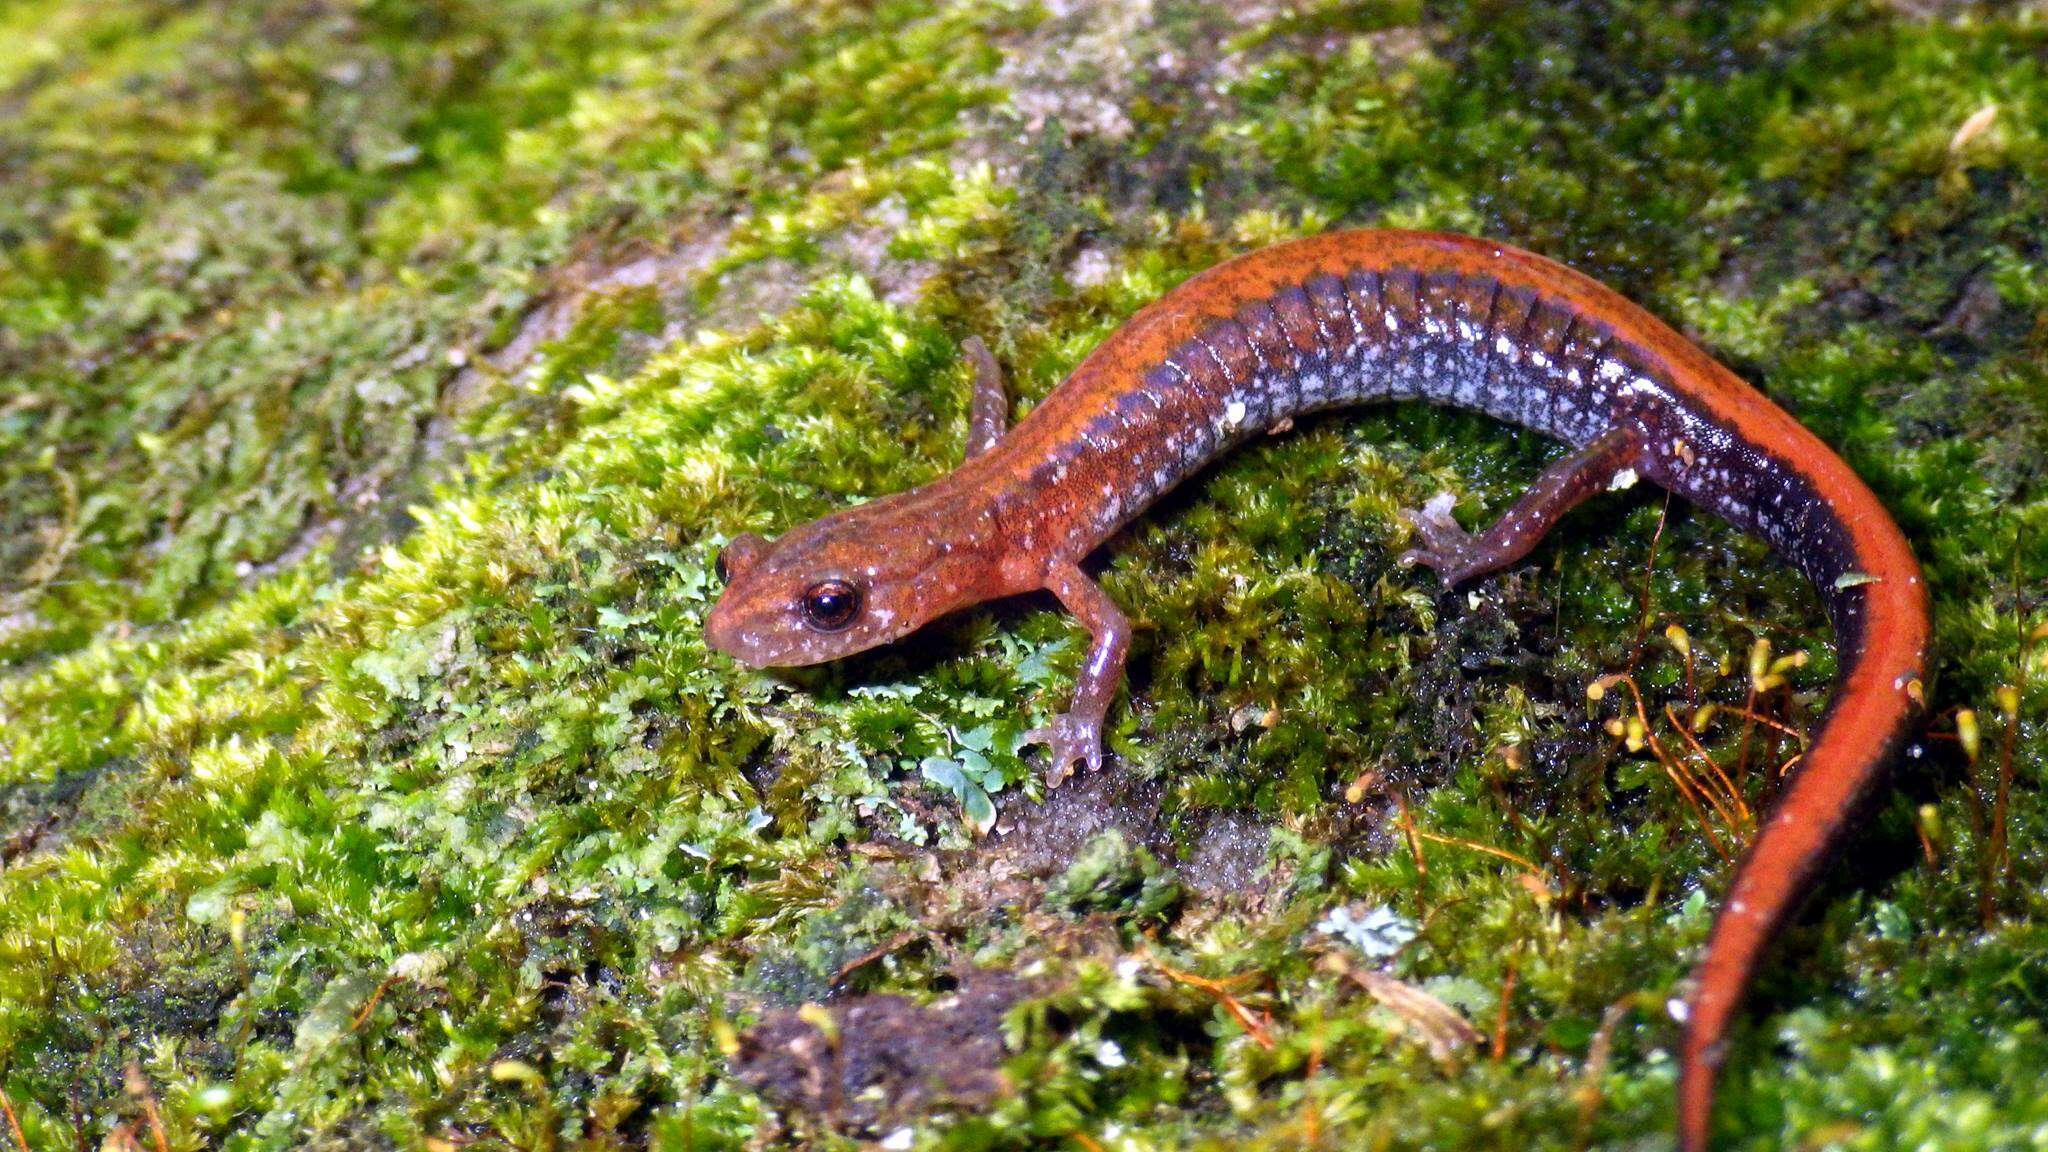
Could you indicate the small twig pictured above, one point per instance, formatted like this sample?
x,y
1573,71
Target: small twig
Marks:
x,y
1590,1093
1219,989
1737,810
1475,846
138,1087
1407,819
881,950
370,1005
1687,789
1435,1023
1766,721
1699,811
13,1123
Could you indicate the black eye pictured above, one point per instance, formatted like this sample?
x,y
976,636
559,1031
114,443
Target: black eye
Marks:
x,y
831,605
718,565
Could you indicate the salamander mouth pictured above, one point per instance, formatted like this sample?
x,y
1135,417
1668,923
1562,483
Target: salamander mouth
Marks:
x,y
755,650
724,636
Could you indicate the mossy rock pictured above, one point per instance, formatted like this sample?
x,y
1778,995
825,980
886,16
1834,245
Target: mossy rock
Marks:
x,y
377,382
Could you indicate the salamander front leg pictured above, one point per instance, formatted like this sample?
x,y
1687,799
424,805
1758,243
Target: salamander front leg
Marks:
x,y
1075,736
989,416
1457,555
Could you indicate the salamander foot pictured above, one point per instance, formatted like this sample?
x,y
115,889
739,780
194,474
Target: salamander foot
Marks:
x,y
1444,548
1070,739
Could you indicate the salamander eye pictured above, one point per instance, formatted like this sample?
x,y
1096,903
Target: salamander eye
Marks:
x,y
719,567
831,605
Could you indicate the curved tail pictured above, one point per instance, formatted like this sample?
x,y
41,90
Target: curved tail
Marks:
x,y
1878,601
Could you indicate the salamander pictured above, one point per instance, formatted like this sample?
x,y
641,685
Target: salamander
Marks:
x,y
1344,318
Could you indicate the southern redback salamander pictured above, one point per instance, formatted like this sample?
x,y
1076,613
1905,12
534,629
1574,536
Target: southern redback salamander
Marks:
x,y
1381,315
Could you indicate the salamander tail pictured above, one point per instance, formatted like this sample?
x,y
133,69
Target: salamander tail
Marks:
x,y
1878,602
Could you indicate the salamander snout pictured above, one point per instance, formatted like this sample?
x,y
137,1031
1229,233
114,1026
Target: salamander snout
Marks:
x,y
723,633
726,629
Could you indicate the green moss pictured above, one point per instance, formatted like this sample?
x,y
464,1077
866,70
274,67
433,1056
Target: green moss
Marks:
x,y
1109,875
376,384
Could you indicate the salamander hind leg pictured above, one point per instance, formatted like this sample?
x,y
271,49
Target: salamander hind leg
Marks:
x,y
1457,555
1075,736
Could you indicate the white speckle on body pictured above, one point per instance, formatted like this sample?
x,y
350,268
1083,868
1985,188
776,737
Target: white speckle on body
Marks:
x,y
1213,355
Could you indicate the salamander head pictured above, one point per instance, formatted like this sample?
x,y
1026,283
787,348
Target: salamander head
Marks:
x,y
834,587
